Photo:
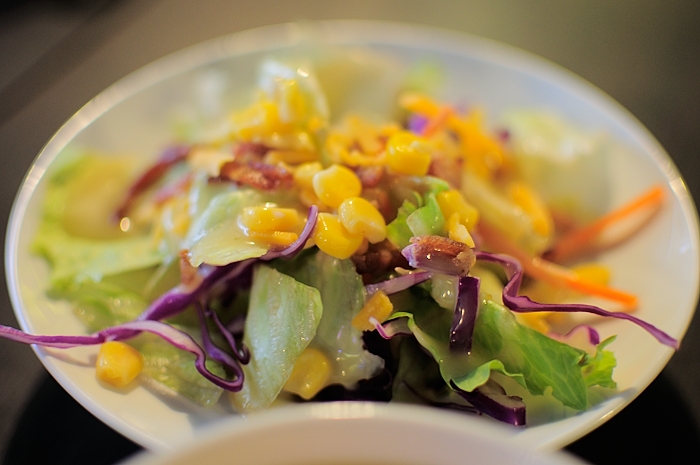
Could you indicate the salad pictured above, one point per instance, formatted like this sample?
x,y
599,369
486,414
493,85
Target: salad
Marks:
x,y
289,254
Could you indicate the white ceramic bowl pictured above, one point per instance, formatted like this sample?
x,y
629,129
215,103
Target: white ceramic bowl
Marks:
x,y
356,433
660,265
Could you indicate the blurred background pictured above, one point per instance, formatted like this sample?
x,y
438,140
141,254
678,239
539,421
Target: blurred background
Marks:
x,y
56,55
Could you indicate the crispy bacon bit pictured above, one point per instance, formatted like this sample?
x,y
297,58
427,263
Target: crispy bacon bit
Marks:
x,y
170,191
250,151
440,254
378,259
189,277
370,176
257,174
169,158
380,199
448,168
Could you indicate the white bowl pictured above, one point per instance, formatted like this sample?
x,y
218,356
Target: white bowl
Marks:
x,y
660,265
354,433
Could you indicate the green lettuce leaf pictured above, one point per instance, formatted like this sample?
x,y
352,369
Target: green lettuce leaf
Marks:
x,y
80,259
503,345
175,368
342,293
398,231
598,370
216,238
283,316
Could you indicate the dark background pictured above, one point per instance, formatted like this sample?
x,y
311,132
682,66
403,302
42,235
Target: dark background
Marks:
x,y
56,55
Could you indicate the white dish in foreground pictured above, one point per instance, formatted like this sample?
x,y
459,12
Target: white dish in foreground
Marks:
x,y
660,265
355,433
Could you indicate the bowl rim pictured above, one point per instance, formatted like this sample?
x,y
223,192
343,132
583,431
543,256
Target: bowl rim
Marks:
x,y
357,32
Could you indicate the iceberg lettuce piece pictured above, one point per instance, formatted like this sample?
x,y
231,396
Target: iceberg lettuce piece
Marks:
x,y
79,259
176,369
283,317
295,91
562,161
100,305
343,295
104,249
216,237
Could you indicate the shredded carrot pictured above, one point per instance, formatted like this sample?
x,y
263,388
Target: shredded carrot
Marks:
x,y
583,240
437,121
552,273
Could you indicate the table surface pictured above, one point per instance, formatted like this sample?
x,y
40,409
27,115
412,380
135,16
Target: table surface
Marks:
x,y
56,55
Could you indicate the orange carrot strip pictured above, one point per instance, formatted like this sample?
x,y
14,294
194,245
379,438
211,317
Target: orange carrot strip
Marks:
x,y
437,121
583,240
552,273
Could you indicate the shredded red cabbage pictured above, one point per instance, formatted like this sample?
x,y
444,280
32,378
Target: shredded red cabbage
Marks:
x,y
125,331
178,299
492,400
391,328
398,284
464,318
215,351
523,304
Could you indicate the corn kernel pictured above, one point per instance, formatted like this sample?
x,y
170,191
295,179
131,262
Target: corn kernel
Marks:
x,y
274,238
533,206
257,121
268,219
458,232
310,374
332,238
536,321
378,306
407,154
304,174
118,363
361,217
335,184
593,272
451,202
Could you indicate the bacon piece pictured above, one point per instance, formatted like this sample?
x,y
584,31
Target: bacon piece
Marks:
x,y
257,174
439,254
370,176
168,158
378,259
189,277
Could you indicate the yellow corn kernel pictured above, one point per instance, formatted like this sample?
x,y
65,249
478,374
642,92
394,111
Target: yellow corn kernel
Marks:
x,y
332,238
357,158
452,201
378,306
335,184
458,232
269,219
361,217
257,121
536,321
273,238
593,273
304,174
310,374
408,154
118,363
533,206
